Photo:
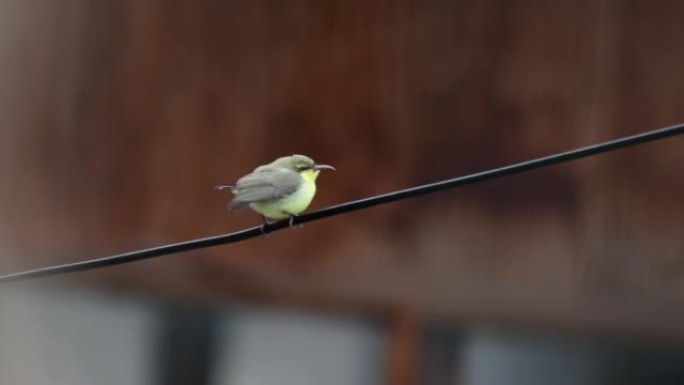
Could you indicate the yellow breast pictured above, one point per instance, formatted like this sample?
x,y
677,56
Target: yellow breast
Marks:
x,y
292,204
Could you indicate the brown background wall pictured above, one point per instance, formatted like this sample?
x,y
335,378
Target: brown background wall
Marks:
x,y
119,117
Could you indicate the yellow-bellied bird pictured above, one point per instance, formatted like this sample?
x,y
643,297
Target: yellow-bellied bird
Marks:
x,y
281,189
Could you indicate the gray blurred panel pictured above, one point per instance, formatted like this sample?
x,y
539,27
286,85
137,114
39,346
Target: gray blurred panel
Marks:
x,y
500,359
74,339
293,349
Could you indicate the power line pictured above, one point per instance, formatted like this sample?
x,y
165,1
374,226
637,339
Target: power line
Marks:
x,y
349,206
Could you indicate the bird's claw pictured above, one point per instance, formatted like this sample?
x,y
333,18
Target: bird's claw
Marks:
x,y
292,225
263,227
264,231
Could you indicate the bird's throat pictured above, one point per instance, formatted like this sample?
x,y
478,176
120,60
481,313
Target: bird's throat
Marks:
x,y
310,175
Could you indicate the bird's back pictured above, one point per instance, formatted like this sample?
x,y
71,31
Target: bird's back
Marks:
x,y
265,185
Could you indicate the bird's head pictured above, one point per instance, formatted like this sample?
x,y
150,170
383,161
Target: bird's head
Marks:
x,y
302,164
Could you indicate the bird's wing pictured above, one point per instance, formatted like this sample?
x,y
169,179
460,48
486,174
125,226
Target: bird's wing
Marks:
x,y
264,185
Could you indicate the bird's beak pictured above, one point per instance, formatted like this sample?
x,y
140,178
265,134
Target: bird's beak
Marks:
x,y
323,167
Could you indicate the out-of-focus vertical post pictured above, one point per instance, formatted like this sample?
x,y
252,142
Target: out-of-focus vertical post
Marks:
x,y
402,348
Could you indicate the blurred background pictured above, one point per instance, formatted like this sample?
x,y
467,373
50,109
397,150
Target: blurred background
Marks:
x,y
119,117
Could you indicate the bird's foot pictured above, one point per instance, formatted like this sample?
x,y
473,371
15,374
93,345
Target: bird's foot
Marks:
x,y
292,226
264,230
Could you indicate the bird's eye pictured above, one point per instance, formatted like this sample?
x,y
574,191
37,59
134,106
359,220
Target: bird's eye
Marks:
x,y
303,167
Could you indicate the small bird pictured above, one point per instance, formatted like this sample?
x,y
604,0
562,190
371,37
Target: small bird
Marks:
x,y
278,190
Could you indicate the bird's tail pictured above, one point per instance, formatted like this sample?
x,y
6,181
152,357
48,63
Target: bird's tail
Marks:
x,y
235,205
224,186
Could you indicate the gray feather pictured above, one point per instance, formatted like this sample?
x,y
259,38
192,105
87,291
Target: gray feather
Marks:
x,y
264,185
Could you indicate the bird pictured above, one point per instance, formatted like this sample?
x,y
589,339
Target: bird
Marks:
x,y
279,190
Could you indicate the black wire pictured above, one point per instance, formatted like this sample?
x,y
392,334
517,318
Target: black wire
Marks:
x,y
349,206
